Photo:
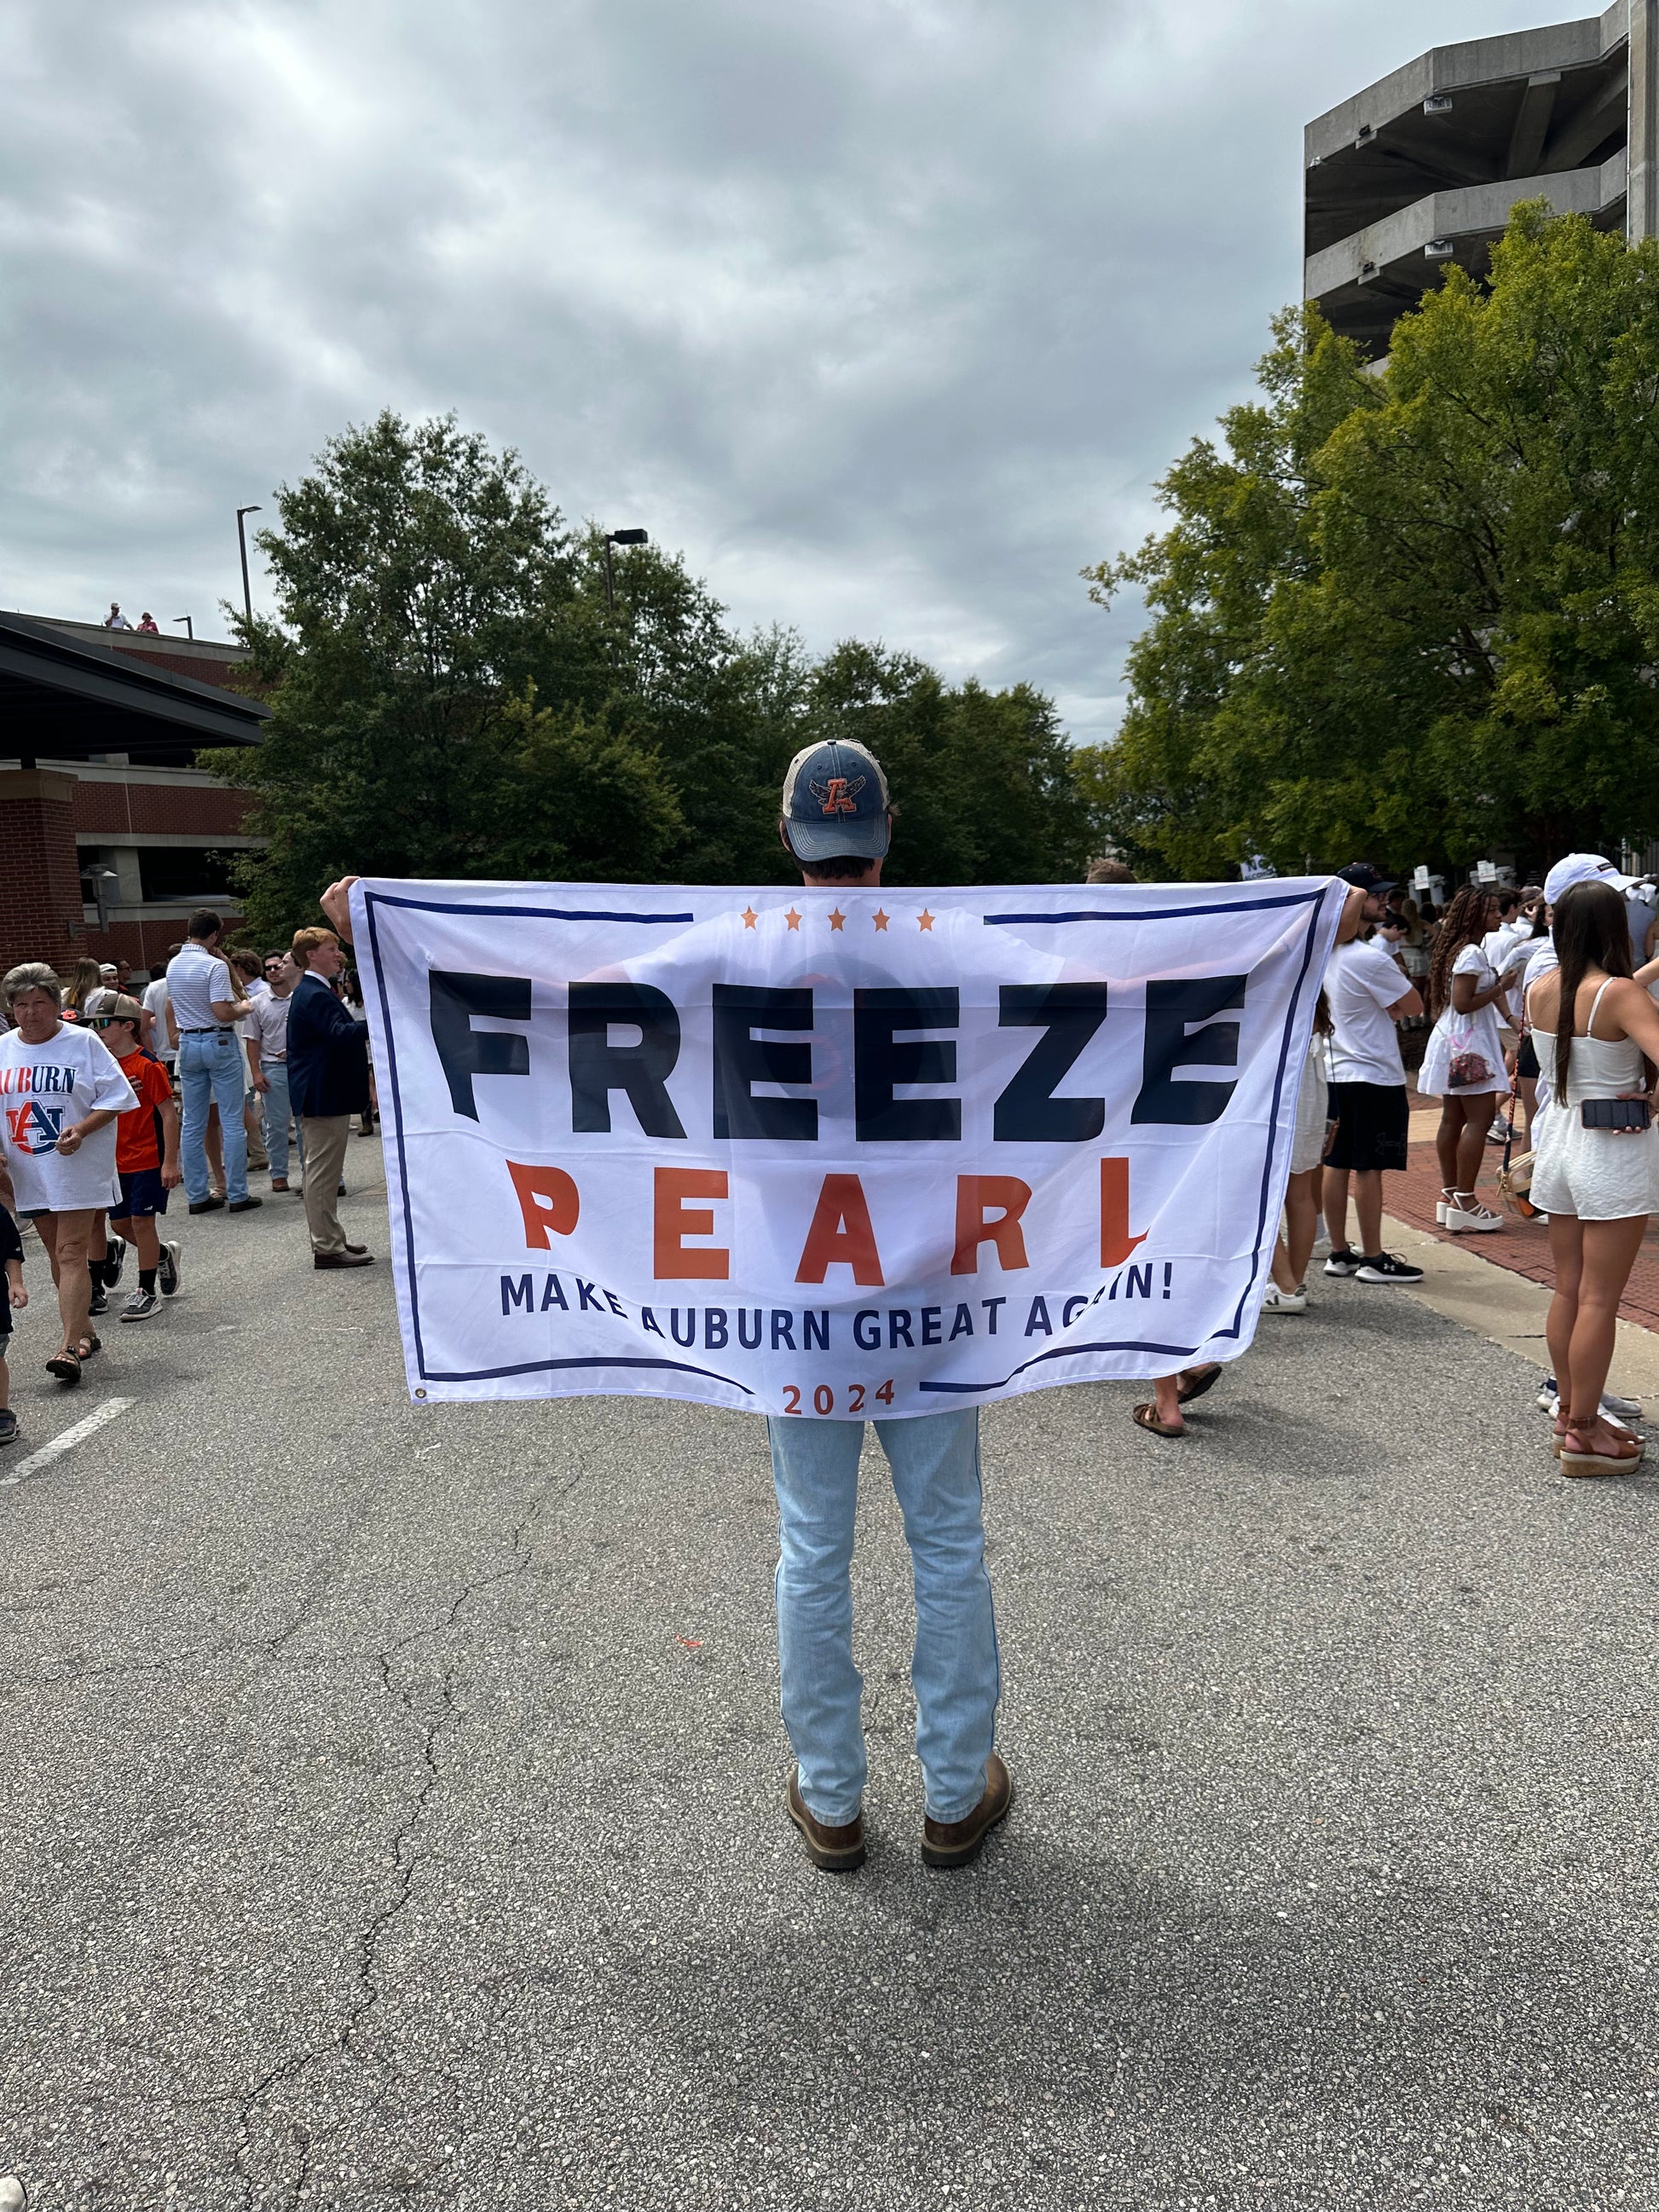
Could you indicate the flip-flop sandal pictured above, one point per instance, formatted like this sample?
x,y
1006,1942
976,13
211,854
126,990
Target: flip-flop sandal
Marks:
x,y
1203,1379
66,1367
1145,1416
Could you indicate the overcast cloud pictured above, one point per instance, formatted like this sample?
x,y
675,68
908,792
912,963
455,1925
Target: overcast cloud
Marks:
x,y
886,312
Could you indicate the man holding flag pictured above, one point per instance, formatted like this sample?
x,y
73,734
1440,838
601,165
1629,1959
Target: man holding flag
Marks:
x,y
838,826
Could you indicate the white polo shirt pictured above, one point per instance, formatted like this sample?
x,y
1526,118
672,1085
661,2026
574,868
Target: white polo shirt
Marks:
x,y
196,977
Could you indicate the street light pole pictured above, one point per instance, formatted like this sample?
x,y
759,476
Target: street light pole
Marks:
x,y
619,538
241,540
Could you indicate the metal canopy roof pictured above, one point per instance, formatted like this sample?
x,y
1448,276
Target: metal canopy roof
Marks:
x,y
62,698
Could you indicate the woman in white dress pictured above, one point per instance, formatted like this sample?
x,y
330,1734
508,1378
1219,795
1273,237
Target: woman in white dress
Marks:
x,y
1594,1025
1463,1067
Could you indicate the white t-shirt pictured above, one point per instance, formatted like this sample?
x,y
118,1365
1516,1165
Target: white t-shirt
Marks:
x,y
44,1088
1362,983
1503,947
1542,957
155,998
1641,913
195,978
244,1029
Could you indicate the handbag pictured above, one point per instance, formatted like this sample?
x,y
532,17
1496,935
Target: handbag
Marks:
x,y
1468,1067
1515,1177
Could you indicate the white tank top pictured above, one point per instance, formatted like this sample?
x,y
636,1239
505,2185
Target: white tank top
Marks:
x,y
1599,1067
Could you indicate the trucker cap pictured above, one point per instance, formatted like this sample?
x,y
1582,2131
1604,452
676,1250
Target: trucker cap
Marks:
x,y
118,1008
835,802
1365,877
1581,868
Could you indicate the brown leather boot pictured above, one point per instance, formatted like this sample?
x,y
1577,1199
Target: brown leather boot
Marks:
x,y
834,1850
955,1843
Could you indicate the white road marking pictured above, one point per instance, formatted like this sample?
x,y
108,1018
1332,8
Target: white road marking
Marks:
x,y
67,1442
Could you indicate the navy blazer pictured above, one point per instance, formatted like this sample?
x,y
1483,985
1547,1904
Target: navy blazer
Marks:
x,y
327,1053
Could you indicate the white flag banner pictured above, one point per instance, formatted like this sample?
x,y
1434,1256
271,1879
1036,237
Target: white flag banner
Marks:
x,y
832,1152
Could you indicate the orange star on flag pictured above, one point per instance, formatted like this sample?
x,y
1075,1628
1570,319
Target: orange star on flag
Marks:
x,y
838,918
925,919
879,919
749,917
792,918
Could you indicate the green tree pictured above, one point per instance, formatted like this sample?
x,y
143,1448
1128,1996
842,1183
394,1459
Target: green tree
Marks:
x,y
1414,613
458,693
449,687
985,782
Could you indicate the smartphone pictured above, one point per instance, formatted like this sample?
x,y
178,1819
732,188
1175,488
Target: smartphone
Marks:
x,y
1615,1113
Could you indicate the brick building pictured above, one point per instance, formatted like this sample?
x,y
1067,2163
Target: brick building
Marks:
x,y
109,832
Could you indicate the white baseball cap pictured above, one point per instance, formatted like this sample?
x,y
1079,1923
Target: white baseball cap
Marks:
x,y
1581,868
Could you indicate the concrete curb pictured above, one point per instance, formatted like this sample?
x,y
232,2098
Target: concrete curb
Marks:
x,y
1507,1308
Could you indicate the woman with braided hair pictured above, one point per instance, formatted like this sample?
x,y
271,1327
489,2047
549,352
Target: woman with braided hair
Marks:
x,y
1463,1067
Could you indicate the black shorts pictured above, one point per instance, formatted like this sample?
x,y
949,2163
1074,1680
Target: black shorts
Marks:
x,y
142,1194
1526,1060
1372,1123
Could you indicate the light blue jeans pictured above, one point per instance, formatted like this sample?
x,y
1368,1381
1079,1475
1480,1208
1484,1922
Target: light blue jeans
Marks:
x,y
936,1478
212,1071
276,1111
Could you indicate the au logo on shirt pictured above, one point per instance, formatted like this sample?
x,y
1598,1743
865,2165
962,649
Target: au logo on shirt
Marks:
x,y
35,1129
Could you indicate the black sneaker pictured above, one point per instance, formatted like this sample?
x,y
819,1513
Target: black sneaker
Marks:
x,y
1384,1268
113,1264
100,1300
8,1425
141,1306
166,1274
1344,1262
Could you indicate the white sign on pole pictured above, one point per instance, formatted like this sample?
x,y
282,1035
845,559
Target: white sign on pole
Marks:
x,y
833,1152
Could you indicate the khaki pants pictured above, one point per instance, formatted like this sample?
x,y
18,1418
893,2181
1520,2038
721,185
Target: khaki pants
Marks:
x,y
327,1136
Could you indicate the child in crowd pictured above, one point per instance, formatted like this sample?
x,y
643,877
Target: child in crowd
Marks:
x,y
11,1259
146,1156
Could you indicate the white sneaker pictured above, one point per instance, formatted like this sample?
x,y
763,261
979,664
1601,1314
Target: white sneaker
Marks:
x,y
1285,1302
1616,1412
1470,1219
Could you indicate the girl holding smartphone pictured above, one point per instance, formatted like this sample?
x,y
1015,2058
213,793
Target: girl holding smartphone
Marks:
x,y
1596,1169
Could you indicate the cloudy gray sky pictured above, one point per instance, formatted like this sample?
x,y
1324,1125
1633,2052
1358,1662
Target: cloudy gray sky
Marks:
x,y
887,312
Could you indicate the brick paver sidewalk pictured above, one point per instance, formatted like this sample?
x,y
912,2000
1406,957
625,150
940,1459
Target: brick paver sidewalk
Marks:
x,y
1520,1246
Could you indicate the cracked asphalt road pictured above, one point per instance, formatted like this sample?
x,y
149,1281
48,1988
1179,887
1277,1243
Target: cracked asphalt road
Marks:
x,y
390,1801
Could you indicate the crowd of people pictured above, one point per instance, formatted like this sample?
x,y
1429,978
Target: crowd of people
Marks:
x,y
1576,1092
228,1063
96,1134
